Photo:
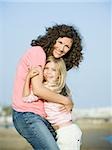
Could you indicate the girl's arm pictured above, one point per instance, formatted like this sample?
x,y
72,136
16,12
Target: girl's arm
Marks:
x,y
28,95
26,88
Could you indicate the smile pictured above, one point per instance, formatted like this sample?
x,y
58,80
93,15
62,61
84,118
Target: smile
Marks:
x,y
58,52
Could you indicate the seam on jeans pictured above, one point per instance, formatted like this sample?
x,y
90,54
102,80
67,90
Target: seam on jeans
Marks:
x,y
25,116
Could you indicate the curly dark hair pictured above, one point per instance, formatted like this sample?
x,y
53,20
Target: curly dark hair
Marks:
x,y
47,41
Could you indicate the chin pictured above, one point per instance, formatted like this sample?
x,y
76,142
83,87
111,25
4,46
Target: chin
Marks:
x,y
57,56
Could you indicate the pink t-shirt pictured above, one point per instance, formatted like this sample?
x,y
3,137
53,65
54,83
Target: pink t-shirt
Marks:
x,y
32,58
54,114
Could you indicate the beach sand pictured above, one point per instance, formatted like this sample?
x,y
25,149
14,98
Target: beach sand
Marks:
x,y
93,138
94,135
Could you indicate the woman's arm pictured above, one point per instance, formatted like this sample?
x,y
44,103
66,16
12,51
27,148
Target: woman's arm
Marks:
x,y
46,94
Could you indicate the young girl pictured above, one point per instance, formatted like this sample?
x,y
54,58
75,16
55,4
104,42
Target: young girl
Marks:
x,y
54,73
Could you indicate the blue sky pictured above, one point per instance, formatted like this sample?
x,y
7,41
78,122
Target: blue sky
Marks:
x,y
20,22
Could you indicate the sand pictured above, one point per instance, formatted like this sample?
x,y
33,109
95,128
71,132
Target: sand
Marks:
x,y
93,138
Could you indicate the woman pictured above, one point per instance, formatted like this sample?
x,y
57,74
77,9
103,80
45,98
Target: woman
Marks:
x,y
60,41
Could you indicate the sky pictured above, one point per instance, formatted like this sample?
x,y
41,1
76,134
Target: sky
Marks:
x,y
22,21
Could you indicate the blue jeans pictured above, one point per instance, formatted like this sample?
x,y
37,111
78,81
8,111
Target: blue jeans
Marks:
x,y
36,130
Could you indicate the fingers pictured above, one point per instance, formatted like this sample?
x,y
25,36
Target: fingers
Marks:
x,y
34,73
36,69
62,108
69,107
66,108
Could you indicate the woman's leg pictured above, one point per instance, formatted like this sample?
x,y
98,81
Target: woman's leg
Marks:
x,y
35,130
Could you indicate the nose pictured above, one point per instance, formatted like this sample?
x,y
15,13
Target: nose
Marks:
x,y
62,48
48,71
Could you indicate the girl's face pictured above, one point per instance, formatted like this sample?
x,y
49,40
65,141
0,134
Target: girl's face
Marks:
x,y
62,46
50,72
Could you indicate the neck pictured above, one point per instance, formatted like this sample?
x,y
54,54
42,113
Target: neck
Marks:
x,y
52,86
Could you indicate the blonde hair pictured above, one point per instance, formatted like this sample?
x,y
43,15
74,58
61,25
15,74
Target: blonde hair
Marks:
x,y
61,69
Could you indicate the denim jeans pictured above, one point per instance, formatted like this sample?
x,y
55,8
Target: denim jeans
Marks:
x,y
36,130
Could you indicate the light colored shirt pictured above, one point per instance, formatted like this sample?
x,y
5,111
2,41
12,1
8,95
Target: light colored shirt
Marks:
x,y
34,57
55,115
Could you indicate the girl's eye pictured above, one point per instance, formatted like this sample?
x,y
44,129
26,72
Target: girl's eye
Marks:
x,y
45,68
53,69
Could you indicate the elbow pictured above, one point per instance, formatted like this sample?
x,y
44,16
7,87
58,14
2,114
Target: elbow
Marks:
x,y
37,91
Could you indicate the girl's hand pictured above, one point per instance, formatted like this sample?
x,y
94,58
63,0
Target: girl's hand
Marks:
x,y
32,73
35,72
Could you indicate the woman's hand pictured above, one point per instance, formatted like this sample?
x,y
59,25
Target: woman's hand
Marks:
x,y
66,107
69,104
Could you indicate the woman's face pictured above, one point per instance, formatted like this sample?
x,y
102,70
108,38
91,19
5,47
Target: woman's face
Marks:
x,y
62,46
50,72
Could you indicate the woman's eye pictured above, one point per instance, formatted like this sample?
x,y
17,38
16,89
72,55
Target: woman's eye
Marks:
x,y
60,42
67,46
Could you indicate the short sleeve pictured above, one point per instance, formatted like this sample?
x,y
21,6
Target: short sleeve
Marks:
x,y
34,57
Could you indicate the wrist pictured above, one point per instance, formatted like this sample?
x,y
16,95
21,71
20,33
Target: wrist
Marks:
x,y
65,101
28,78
